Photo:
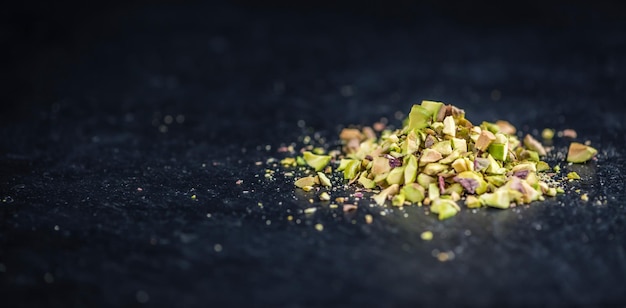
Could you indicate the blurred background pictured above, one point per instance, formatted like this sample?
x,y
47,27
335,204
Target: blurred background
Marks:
x,y
45,41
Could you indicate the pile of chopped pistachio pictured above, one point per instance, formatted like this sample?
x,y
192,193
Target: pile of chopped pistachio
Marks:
x,y
441,160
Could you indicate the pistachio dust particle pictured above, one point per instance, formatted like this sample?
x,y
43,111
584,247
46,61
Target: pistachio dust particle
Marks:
x,y
441,160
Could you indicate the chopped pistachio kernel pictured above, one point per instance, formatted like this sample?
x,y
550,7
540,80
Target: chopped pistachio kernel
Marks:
x,y
413,193
459,144
317,162
324,196
398,200
350,133
381,197
306,181
547,134
426,235
505,127
449,127
472,202
432,108
573,176
532,144
395,176
580,153
430,156
484,140
542,166
499,148
499,199
288,161
419,117
324,180
446,208
300,161
433,191
367,183
410,171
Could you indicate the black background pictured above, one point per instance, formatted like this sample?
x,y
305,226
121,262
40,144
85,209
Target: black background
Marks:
x,y
87,88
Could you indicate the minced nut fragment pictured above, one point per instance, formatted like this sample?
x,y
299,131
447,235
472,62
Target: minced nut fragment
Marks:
x,y
349,207
534,145
570,133
580,153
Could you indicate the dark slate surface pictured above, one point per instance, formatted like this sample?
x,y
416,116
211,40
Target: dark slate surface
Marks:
x,y
96,186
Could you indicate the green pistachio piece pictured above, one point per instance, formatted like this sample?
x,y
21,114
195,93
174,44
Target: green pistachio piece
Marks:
x,y
573,176
443,147
529,155
412,143
324,180
343,164
319,151
381,179
445,208
437,127
367,183
413,192
433,191
380,165
494,167
542,166
288,161
396,176
498,199
432,107
580,153
551,192
472,202
449,127
459,144
528,167
472,182
496,180
434,168
351,168
424,180
547,134
492,127
306,181
398,200
454,188
300,161
410,170
429,156
419,117
317,162
499,151
450,158
532,144
499,148
532,179
381,197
